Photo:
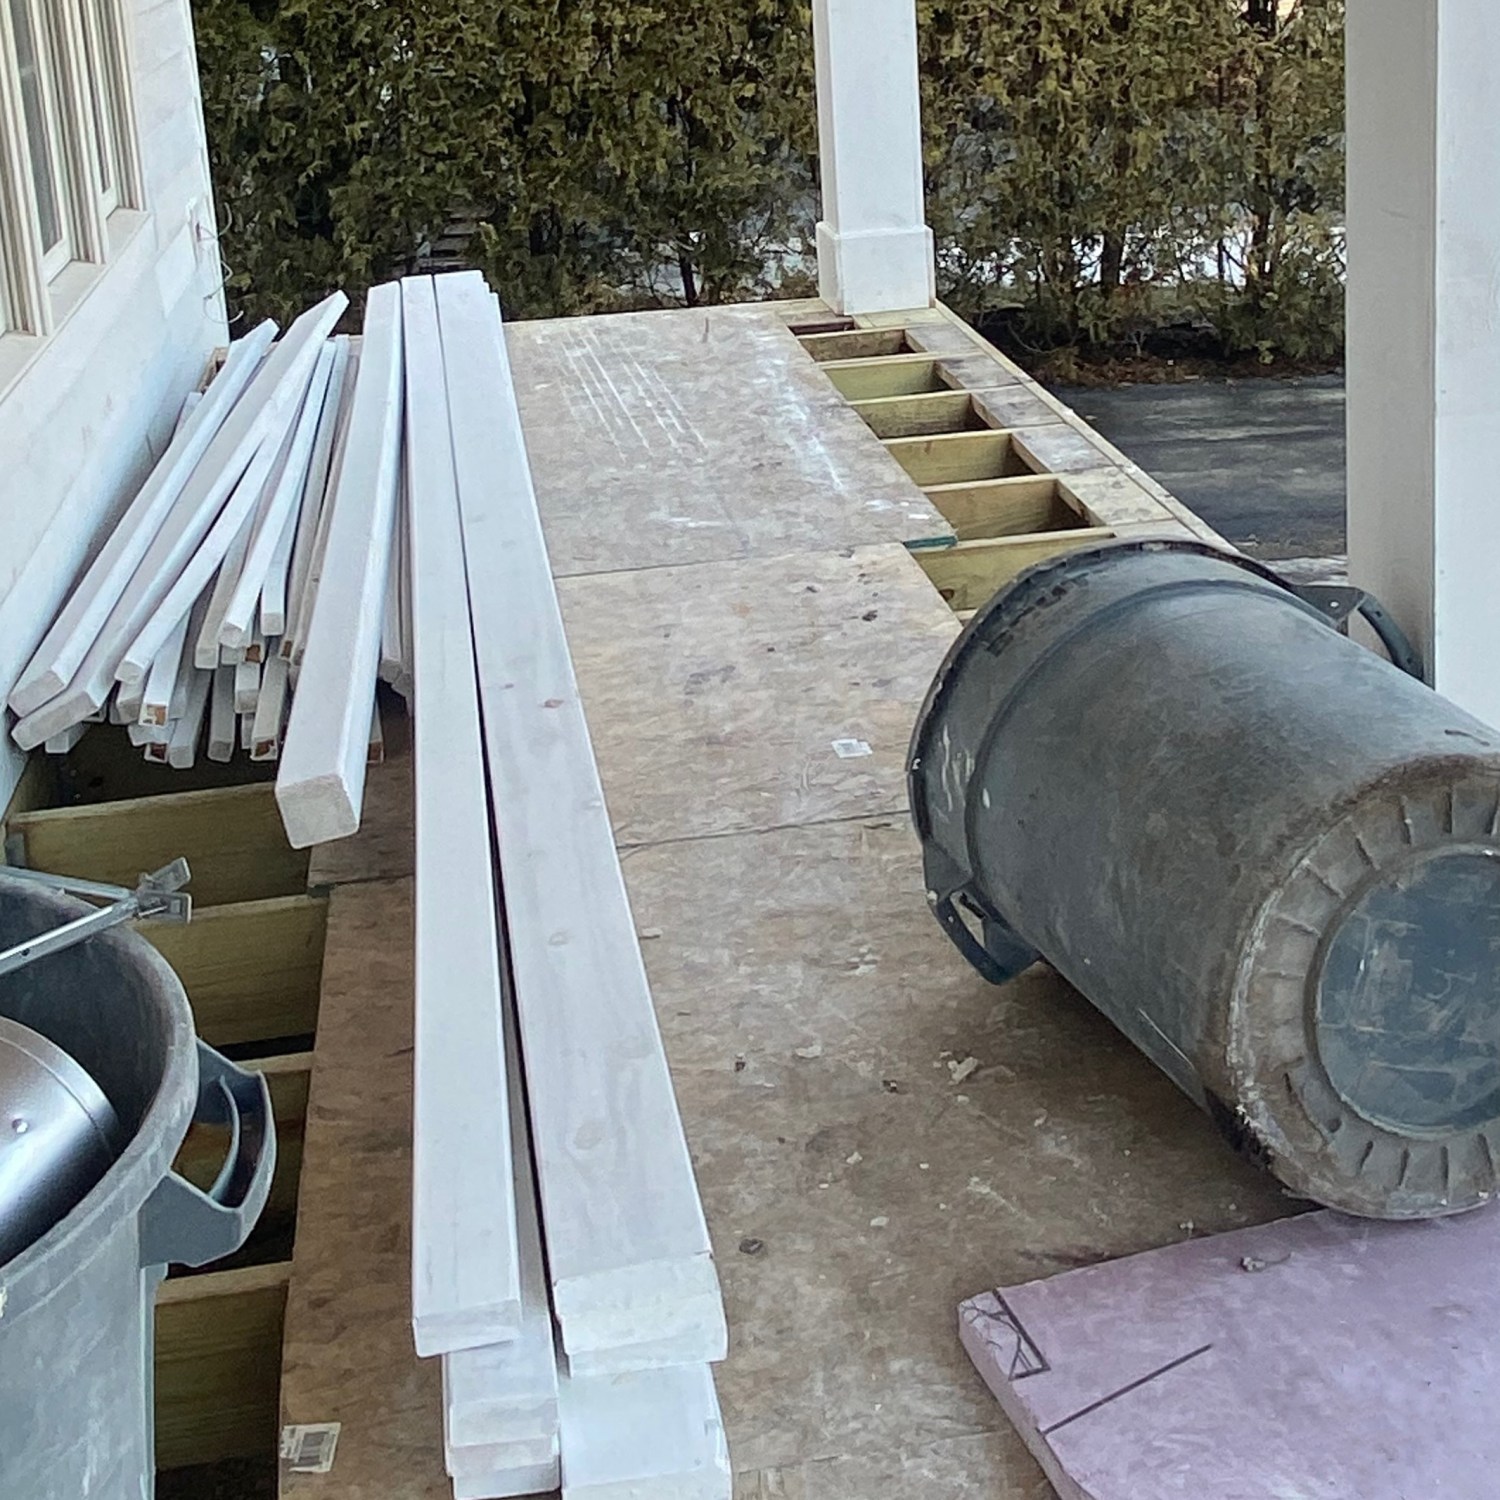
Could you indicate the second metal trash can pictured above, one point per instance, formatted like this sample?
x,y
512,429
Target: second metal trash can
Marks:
x,y
76,1344
1272,859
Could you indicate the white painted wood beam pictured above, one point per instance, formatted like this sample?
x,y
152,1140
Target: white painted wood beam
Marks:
x,y
182,748
206,655
1423,356
659,1434
313,494
627,1246
535,1479
156,699
222,730
270,710
78,625
506,1394
283,490
320,783
875,251
466,1274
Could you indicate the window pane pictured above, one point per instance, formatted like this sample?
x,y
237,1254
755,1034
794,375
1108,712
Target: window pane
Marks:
x,y
38,142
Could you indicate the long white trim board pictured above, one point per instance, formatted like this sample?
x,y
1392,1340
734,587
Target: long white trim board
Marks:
x,y
466,1278
320,783
507,1394
628,1249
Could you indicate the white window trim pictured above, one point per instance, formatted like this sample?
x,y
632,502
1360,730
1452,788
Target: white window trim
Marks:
x,y
30,310
74,54
116,60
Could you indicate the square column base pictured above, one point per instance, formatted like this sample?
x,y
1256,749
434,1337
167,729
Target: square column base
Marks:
x,y
875,270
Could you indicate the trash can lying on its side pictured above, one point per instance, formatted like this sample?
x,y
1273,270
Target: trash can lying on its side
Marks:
x,y
76,1347
1268,856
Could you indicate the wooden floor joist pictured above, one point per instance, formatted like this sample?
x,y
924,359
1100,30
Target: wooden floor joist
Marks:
x,y
466,1280
231,838
876,379
913,416
1019,506
628,1249
958,457
971,573
218,1338
859,343
251,970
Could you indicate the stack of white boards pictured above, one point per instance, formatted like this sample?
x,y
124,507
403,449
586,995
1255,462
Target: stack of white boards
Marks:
x,y
561,1265
324,518
254,562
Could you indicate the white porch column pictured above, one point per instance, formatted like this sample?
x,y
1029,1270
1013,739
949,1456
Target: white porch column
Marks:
x,y
874,246
1424,330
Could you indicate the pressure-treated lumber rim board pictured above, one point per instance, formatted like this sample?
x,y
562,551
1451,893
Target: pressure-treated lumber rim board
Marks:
x,y
218,1364
231,837
1017,474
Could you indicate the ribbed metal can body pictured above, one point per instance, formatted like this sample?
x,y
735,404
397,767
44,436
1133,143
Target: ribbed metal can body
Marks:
x,y
1269,857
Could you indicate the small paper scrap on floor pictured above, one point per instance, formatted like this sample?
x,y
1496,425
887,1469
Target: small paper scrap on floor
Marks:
x,y
960,1071
851,749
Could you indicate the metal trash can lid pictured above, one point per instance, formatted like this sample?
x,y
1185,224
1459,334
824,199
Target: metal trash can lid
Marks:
x,y
58,1135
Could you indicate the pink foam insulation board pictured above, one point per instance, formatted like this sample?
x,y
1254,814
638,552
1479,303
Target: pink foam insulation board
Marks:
x,y
1319,1358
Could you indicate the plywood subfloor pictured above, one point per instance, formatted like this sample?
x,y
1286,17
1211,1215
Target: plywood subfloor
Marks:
x,y
815,1018
695,436
754,694
814,1013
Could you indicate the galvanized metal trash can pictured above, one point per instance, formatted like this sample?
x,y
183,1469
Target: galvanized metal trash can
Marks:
x,y
76,1346
1269,857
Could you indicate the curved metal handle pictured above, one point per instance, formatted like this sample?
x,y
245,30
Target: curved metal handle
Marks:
x,y
183,1225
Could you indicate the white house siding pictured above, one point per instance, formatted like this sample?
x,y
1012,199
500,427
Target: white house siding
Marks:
x,y
84,420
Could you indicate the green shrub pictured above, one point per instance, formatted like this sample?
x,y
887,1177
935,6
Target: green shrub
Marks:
x,y
1103,163
587,146
1098,165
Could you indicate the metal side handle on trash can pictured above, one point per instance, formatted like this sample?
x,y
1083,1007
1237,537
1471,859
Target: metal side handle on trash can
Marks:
x,y
184,1225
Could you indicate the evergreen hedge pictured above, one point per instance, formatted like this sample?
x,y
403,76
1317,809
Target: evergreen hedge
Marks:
x,y
1099,164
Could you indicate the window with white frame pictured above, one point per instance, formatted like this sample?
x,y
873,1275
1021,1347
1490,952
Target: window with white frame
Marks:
x,y
67,146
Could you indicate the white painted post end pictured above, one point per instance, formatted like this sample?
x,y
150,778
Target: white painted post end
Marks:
x,y
875,270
